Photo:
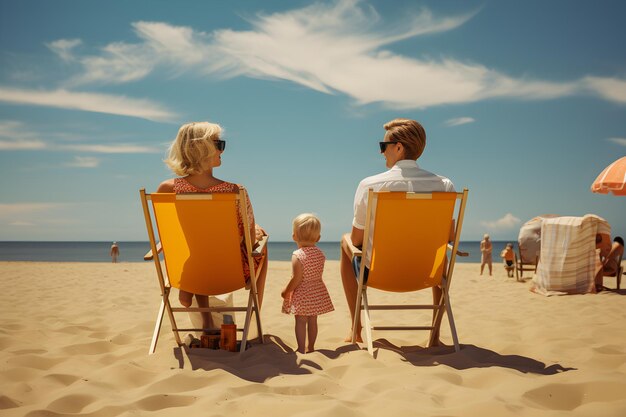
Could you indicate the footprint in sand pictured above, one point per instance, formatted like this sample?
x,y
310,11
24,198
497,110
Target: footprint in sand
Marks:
x,y
159,402
71,403
570,396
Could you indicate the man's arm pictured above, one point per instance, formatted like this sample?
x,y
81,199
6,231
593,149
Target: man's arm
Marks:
x,y
356,236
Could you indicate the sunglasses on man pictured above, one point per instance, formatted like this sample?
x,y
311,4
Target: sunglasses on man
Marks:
x,y
383,145
220,145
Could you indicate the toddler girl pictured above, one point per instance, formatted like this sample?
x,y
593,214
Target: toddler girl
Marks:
x,y
306,295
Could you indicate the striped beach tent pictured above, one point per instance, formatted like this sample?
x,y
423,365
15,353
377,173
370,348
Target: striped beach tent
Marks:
x,y
569,258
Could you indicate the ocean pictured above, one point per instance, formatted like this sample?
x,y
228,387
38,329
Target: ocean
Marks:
x,y
134,251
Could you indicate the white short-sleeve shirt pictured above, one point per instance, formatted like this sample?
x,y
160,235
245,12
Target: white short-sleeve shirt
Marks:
x,y
405,175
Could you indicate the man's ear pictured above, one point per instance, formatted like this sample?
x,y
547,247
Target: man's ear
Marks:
x,y
401,148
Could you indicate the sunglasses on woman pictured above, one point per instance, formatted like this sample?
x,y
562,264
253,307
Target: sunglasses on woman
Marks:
x,y
220,145
383,145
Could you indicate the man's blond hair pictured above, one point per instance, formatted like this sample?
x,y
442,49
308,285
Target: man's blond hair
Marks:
x,y
410,134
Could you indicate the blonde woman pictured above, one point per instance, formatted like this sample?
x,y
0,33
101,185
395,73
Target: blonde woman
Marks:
x,y
193,155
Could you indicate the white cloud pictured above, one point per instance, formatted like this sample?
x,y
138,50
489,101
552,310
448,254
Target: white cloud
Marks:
x,y
93,102
180,48
113,148
619,141
21,144
612,89
10,209
83,162
460,121
14,135
64,47
20,223
331,48
31,214
507,222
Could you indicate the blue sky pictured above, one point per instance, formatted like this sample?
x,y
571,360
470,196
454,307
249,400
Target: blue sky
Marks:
x,y
524,103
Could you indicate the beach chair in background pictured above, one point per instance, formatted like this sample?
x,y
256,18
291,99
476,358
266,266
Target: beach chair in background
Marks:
x,y
410,251
618,274
569,257
200,242
524,263
529,247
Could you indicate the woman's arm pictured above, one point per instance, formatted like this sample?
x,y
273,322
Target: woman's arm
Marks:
x,y
296,276
251,222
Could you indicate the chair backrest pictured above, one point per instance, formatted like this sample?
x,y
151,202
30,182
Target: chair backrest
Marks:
x,y
526,261
200,238
529,239
410,238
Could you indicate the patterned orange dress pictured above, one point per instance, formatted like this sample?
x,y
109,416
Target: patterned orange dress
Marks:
x,y
311,297
181,185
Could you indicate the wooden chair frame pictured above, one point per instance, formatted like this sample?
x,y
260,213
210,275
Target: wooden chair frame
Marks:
x,y
521,266
164,282
618,275
448,268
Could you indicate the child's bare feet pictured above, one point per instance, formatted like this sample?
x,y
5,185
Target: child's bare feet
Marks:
x,y
359,339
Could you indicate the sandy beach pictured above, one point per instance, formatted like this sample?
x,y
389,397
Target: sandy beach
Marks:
x,y
74,339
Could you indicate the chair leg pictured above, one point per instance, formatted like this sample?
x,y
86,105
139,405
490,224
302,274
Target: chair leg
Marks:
x,y
357,315
157,328
368,325
246,325
257,312
436,324
451,321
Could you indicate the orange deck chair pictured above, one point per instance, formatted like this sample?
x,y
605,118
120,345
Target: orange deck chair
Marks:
x,y
200,243
410,251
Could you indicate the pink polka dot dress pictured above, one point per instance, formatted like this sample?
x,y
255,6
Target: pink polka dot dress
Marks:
x,y
311,297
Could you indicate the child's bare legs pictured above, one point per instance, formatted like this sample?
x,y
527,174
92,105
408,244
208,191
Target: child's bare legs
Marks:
x,y
301,322
306,326
311,332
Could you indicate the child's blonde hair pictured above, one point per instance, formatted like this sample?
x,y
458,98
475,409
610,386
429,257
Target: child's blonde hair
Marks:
x,y
306,228
193,147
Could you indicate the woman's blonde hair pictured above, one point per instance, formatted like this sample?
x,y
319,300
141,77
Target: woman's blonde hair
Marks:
x,y
193,147
410,134
306,228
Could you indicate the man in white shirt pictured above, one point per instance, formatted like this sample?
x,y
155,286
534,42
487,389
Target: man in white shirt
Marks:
x,y
403,144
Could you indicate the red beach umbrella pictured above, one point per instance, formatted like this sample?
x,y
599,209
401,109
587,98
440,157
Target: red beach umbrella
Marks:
x,y
612,179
